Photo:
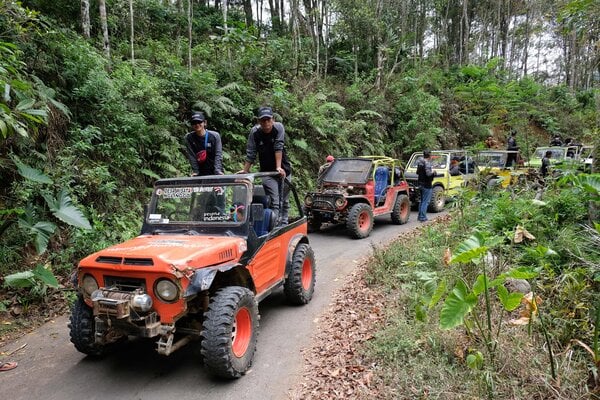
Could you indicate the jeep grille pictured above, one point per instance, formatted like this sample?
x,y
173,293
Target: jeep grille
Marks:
x,y
124,284
324,202
226,255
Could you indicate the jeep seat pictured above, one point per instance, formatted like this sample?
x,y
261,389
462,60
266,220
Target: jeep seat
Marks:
x,y
263,227
381,182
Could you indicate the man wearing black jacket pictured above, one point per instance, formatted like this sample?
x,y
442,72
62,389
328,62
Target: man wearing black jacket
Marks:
x,y
267,140
204,149
425,174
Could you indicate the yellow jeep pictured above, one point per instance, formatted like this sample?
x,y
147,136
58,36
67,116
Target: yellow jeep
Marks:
x,y
445,184
497,168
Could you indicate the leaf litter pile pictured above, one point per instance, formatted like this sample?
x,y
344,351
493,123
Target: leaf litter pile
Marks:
x,y
334,364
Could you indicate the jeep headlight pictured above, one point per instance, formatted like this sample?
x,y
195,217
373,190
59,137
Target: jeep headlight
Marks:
x,y
166,290
89,284
340,202
308,200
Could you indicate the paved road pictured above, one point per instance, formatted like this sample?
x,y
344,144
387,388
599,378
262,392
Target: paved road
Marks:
x,y
50,367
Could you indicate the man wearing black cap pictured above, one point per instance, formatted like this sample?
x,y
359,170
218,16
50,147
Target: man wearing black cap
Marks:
x,y
267,140
425,174
204,149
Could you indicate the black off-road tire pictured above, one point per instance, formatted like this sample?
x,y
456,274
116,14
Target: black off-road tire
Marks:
x,y
82,329
360,221
401,210
229,332
300,283
438,200
314,222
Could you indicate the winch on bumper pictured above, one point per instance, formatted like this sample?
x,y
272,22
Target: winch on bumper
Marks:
x,y
129,312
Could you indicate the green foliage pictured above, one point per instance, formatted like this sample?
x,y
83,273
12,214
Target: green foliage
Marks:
x,y
37,281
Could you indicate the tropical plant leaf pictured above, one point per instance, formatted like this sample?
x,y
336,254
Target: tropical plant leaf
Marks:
x,y
41,231
149,173
63,209
521,273
479,287
45,275
301,143
510,301
19,279
457,305
439,292
30,173
470,249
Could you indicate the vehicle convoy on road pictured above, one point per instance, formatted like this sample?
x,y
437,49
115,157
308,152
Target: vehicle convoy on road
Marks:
x,y
494,167
355,190
445,185
207,254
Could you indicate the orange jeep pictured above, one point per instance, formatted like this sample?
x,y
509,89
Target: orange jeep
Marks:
x,y
207,254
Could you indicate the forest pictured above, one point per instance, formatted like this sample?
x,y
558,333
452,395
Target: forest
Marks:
x,y
96,97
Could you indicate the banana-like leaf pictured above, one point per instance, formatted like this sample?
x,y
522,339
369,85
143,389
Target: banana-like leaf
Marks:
x,y
509,301
457,305
479,287
470,249
63,209
30,173
438,293
521,273
19,280
46,276
41,231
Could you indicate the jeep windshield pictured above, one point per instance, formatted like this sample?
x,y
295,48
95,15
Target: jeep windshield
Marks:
x,y
491,159
438,161
198,205
346,171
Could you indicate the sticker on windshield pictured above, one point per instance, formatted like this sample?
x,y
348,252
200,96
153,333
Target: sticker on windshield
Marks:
x,y
174,192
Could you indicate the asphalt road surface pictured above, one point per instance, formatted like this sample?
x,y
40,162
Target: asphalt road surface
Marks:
x,y
51,368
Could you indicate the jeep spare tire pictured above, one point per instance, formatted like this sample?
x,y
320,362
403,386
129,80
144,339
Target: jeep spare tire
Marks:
x,y
229,332
360,221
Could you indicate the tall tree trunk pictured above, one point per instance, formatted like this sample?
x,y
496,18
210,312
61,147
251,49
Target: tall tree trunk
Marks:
x,y
132,30
189,18
274,10
85,18
248,13
104,24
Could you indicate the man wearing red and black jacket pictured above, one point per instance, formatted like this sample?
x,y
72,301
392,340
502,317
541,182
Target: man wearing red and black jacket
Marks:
x,y
267,140
204,149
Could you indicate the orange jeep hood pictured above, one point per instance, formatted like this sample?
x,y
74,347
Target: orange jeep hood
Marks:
x,y
179,251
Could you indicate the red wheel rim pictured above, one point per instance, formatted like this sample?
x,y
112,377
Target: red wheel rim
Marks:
x,y
241,332
403,209
306,274
363,221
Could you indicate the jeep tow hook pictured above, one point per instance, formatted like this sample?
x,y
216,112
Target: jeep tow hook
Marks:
x,y
166,345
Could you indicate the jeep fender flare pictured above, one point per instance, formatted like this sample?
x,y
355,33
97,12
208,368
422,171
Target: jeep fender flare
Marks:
x,y
203,278
294,242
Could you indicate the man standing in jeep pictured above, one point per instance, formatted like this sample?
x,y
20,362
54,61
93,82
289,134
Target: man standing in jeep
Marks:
x,y
267,139
204,149
425,175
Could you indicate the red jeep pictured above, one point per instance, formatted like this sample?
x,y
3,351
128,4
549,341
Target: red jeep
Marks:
x,y
207,254
355,190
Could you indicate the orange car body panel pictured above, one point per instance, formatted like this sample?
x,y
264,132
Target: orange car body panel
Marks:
x,y
173,256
